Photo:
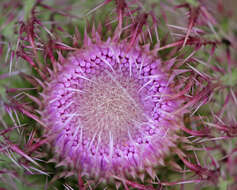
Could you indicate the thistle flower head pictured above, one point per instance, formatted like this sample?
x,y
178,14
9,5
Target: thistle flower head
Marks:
x,y
111,109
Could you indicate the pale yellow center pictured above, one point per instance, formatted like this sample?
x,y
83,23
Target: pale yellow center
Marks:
x,y
110,107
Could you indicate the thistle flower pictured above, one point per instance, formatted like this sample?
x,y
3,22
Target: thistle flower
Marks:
x,y
109,107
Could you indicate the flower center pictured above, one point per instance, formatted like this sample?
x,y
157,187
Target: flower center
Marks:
x,y
110,106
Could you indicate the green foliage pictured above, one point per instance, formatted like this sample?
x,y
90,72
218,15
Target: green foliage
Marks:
x,y
28,5
230,79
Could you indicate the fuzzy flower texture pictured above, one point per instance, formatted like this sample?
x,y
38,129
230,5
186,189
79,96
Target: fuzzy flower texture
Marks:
x,y
110,106
112,109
